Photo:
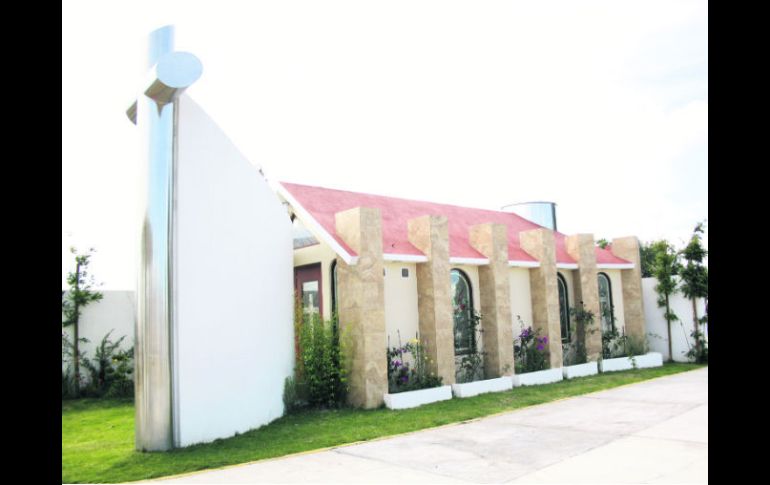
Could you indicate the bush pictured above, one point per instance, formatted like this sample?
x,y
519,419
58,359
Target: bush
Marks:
x,y
110,370
404,375
700,352
613,344
320,375
529,350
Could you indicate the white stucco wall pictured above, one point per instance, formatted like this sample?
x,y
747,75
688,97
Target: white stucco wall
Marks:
x,y
657,333
401,311
521,299
234,343
116,311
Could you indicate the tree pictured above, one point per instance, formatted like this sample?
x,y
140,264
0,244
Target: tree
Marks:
x,y
602,243
695,283
665,266
79,295
647,257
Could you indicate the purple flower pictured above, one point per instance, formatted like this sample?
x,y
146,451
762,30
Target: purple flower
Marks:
x,y
545,340
397,364
540,347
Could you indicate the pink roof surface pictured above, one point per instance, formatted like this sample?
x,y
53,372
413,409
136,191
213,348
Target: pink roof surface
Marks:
x,y
322,203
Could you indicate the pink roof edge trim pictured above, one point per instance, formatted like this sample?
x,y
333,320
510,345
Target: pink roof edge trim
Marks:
x,y
322,203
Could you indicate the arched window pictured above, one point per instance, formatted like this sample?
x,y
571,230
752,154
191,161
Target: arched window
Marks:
x,y
462,305
605,303
564,308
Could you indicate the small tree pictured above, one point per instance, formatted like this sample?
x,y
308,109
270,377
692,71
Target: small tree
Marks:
x,y
665,266
79,295
695,283
602,243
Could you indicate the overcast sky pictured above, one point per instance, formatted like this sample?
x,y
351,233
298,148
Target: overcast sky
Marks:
x,y
601,107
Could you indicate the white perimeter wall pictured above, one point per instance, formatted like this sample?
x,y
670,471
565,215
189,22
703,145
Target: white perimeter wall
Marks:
x,y
116,311
657,333
233,285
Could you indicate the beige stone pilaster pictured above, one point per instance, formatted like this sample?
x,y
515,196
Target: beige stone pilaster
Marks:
x,y
491,240
541,245
430,234
361,306
631,279
582,249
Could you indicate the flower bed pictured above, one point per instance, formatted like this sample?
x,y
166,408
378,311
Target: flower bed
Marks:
x,y
412,399
475,388
580,370
538,377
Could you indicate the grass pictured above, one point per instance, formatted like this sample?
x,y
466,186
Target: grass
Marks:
x,y
98,435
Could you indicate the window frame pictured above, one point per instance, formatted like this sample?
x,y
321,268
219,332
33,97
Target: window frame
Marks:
x,y
561,283
469,312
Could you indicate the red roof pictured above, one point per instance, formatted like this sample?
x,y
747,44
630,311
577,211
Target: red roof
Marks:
x,y
322,203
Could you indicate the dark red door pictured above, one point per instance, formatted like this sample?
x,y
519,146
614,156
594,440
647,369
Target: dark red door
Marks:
x,y
307,286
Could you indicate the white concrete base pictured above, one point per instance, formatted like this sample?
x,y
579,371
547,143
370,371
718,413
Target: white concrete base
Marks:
x,y
412,399
580,370
612,365
538,377
475,388
650,359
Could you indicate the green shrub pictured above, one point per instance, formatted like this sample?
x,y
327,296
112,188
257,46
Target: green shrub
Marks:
x,y
320,374
110,370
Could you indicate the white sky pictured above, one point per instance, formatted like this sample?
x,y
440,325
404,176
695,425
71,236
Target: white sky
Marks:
x,y
601,107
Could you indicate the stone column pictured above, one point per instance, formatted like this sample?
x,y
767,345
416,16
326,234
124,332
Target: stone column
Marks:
x,y
582,249
361,306
631,279
430,234
491,240
541,245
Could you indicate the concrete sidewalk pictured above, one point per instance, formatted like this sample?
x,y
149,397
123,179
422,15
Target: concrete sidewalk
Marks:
x,y
652,432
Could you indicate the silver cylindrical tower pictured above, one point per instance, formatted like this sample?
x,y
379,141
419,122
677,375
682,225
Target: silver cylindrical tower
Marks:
x,y
541,213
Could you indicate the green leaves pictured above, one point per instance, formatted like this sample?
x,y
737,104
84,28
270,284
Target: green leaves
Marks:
x,y
321,373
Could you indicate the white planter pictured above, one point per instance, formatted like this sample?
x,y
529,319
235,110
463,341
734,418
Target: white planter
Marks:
x,y
412,399
612,365
580,370
650,359
538,377
475,388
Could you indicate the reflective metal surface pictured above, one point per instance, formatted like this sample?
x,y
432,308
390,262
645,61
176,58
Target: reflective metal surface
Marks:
x,y
542,213
155,114
153,337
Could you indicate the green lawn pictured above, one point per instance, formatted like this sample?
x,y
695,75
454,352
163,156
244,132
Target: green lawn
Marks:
x,y
98,435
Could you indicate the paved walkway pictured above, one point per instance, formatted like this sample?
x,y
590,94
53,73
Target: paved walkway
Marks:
x,y
652,432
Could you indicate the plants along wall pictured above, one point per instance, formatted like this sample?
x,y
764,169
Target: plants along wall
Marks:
x,y
655,323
